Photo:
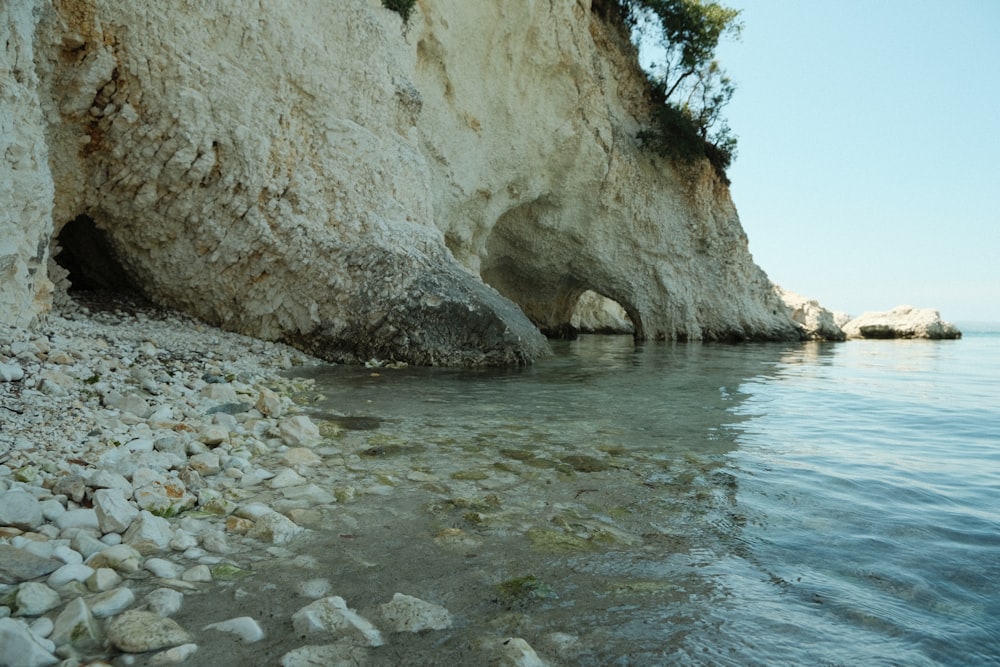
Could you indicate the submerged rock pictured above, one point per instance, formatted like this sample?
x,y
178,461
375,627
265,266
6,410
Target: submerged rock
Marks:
x,y
138,631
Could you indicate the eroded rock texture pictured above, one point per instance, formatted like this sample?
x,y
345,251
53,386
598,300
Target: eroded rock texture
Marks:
x,y
318,173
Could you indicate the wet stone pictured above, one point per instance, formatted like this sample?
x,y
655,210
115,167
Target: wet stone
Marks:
x,y
138,631
17,565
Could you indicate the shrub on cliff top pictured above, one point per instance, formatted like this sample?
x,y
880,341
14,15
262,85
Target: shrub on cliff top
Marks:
x,y
402,7
688,87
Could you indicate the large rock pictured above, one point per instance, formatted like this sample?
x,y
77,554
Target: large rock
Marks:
x,y
902,322
318,174
815,321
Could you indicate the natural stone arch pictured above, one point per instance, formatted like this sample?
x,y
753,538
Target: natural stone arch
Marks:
x,y
529,259
596,313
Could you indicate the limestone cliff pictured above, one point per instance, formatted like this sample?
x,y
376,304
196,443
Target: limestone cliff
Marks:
x,y
321,174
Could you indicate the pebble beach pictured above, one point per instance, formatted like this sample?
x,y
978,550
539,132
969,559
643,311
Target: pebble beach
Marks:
x,y
141,458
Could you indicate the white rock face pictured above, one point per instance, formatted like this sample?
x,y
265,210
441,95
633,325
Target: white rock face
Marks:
x,y
816,322
902,322
315,173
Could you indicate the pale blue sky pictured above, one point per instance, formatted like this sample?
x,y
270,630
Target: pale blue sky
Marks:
x,y
868,173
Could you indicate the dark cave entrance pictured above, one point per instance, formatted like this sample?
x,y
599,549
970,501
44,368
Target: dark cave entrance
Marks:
x,y
95,272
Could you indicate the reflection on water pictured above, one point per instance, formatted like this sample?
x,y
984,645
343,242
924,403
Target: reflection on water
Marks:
x,y
667,504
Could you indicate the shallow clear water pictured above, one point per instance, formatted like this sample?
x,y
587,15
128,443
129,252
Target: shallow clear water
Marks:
x,y
808,504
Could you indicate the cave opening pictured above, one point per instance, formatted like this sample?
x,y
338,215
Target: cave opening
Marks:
x,y
87,255
598,314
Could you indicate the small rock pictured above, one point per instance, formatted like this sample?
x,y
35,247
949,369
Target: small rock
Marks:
x,y
244,627
165,498
34,599
409,614
311,494
314,588
67,555
79,518
286,477
331,615
341,654
11,372
20,509
205,464
163,568
299,430
103,579
175,655
139,631
19,647
164,601
148,534
515,652
295,456
111,603
269,403
197,573
274,528
77,626
71,486
107,479
121,557
213,435
114,513
68,573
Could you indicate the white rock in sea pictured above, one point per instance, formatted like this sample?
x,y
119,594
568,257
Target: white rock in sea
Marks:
x,y
67,554
300,456
244,627
174,656
138,631
269,403
274,528
314,588
20,509
163,568
815,321
515,652
409,614
34,599
69,573
284,478
344,653
164,601
331,615
103,579
298,430
77,626
111,603
902,322
20,647
114,513
197,573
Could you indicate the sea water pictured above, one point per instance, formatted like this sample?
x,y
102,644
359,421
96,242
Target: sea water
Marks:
x,y
677,504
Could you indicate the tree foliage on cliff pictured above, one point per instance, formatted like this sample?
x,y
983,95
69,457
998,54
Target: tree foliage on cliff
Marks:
x,y
688,87
402,7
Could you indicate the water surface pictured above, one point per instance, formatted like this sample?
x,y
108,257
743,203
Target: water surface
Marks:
x,y
806,504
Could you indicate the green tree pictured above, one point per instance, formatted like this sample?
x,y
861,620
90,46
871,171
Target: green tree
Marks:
x,y
688,85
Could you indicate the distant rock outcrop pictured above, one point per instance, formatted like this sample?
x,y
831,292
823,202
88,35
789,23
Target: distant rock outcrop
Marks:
x,y
318,173
815,321
902,322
